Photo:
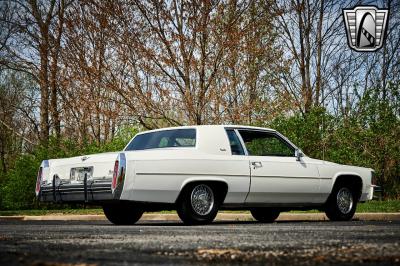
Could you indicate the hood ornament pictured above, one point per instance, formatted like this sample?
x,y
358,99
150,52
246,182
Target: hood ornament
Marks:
x,y
84,158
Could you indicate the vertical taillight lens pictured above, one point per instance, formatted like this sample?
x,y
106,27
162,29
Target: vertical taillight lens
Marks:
x,y
39,180
119,174
115,175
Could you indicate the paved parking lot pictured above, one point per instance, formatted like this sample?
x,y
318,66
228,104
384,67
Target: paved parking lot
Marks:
x,y
157,242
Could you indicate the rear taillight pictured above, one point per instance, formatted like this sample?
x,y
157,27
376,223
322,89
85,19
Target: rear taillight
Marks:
x,y
115,175
39,181
119,174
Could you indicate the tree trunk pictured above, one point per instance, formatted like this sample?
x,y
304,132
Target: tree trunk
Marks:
x,y
44,50
53,72
304,90
53,99
44,95
307,57
2,156
319,53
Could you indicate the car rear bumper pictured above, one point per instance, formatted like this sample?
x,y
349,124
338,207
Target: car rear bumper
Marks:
x,y
80,192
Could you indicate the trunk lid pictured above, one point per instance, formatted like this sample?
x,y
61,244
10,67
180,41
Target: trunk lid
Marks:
x,y
102,165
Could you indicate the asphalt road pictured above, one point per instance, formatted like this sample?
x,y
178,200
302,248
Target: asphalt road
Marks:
x,y
280,243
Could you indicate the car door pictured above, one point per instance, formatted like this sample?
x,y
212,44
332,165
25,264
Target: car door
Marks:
x,y
276,174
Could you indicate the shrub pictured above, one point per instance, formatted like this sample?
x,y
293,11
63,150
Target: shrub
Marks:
x,y
17,190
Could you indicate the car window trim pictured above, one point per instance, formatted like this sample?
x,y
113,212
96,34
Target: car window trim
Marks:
x,y
240,141
246,152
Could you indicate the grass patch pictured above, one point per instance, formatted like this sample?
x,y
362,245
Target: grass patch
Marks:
x,y
50,212
379,206
370,206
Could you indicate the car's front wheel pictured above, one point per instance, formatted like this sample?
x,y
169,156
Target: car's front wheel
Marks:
x,y
341,204
265,215
198,204
122,213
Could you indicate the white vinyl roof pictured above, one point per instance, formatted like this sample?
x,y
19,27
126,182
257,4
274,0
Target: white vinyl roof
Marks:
x,y
213,126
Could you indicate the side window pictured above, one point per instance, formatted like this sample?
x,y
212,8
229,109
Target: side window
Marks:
x,y
265,144
236,146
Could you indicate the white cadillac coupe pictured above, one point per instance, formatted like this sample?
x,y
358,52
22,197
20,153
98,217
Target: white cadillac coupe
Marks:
x,y
199,170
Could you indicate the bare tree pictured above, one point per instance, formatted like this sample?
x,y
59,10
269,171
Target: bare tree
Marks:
x,y
18,127
181,59
314,36
34,48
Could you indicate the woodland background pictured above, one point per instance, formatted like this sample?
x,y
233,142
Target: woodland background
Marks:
x,y
83,76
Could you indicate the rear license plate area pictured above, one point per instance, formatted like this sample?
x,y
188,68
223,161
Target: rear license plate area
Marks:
x,y
77,174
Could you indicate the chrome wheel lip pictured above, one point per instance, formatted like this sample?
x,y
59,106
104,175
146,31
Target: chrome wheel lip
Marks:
x,y
202,199
344,200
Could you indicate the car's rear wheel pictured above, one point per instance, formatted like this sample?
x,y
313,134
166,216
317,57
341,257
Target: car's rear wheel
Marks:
x,y
198,204
122,213
341,204
265,215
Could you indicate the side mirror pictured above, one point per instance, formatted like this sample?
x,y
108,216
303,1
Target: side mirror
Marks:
x,y
298,153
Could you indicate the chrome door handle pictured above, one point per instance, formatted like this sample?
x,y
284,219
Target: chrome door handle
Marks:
x,y
256,164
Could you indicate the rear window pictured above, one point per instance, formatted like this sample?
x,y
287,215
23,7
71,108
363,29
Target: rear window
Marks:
x,y
164,139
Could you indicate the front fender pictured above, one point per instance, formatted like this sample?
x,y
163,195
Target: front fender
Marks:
x,y
348,174
345,173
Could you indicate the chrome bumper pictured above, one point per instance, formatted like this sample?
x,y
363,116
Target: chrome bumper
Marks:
x,y
371,192
80,192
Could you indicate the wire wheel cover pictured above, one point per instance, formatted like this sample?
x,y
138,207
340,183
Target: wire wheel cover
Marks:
x,y
344,200
202,199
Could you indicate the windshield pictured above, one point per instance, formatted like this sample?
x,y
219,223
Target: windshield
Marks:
x,y
163,139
